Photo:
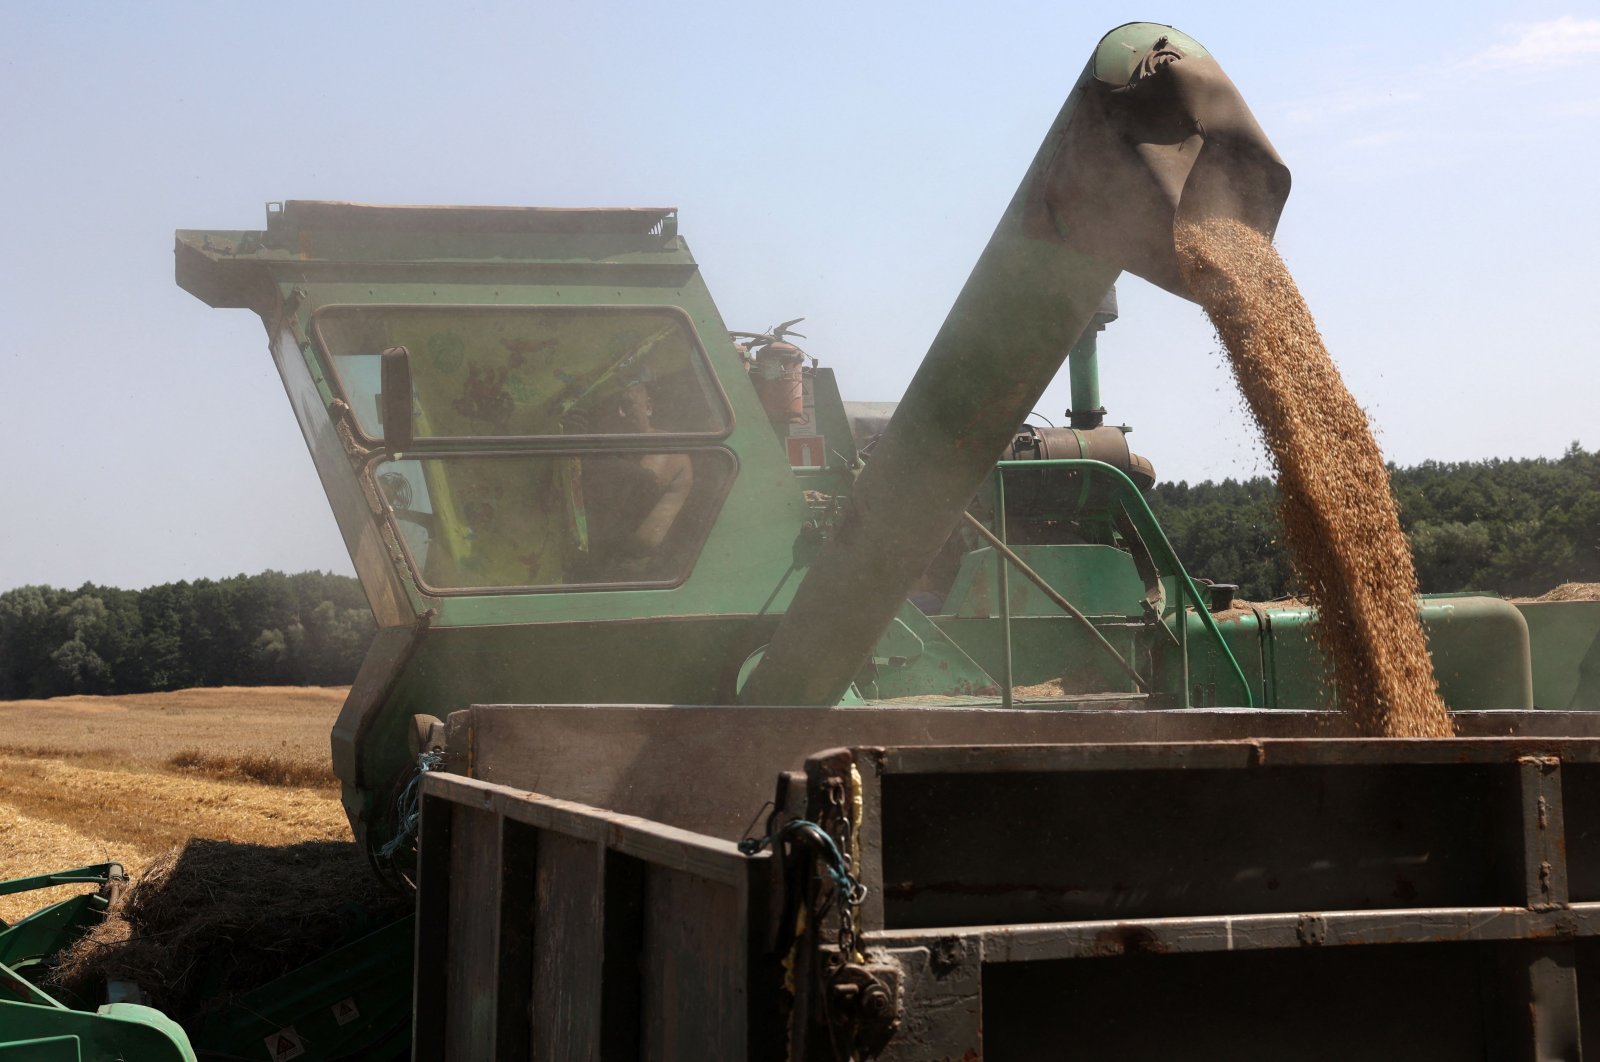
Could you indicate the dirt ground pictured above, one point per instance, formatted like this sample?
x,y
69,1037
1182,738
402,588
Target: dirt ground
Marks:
x,y
89,779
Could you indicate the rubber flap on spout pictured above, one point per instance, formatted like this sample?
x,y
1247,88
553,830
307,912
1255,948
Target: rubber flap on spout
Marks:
x,y
1161,134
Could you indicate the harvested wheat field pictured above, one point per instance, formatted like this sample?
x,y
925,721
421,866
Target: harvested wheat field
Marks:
x,y
90,779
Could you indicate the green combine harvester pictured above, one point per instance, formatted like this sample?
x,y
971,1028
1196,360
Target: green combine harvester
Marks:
x,y
714,717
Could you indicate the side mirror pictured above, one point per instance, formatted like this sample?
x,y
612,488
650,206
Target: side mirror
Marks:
x,y
395,400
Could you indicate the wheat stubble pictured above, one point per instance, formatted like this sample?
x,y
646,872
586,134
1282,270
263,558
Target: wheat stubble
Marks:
x,y
1338,513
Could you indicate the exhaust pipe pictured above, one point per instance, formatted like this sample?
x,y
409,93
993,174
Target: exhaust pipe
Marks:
x,y
1152,132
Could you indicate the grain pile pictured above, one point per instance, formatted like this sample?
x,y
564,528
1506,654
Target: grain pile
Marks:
x,y
1572,592
1339,516
215,918
1049,690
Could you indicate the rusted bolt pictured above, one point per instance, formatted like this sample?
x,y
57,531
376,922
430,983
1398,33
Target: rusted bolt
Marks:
x,y
1311,930
875,1003
946,954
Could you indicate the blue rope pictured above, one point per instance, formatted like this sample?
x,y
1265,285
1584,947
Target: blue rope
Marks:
x,y
833,860
408,810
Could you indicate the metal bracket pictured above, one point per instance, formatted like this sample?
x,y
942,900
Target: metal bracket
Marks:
x,y
864,1003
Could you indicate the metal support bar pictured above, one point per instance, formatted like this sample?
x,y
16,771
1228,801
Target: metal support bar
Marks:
x,y
942,1012
94,874
33,993
1543,832
1109,939
1002,584
1550,985
1061,602
1181,622
1084,373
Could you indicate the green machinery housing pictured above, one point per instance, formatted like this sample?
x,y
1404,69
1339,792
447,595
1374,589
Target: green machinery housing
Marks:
x,y
505,550
562,480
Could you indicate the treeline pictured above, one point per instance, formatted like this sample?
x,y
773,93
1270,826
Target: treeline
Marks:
x,y
1515,527
249,630
1518,528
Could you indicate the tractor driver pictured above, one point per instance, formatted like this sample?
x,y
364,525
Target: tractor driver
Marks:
x,y
636,500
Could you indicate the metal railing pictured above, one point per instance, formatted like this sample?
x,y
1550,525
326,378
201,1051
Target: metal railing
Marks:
x,y
1137,510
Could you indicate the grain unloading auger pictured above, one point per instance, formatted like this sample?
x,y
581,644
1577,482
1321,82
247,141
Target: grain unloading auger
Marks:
x,y
626,574
1152,129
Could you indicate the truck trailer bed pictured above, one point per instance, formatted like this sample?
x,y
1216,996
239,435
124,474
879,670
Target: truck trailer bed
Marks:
x,y
1304,897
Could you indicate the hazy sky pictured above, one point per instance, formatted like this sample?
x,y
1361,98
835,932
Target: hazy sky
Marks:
x,y
842,162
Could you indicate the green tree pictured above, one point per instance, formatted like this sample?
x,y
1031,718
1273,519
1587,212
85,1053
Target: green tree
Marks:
x,y
27,629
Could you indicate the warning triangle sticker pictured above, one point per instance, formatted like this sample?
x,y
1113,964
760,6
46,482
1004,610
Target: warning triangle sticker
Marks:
x,y
285,1044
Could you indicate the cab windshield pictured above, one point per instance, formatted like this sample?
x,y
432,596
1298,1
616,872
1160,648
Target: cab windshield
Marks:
x,y
485,372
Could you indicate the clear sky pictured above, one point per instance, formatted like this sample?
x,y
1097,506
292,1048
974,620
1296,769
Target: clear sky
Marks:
x,y
845,162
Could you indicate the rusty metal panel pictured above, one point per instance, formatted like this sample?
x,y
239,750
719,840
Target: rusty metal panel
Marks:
x,y
1152,831
1310,898
942,1009
1580,788
1419,1003
1076,845
1586,957
629,758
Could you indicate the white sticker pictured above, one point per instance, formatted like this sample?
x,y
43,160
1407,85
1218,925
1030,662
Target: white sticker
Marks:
x,y
345,1012
807,451
285,1044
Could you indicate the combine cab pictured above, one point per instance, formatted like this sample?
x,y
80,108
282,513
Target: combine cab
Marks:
x,y
711,716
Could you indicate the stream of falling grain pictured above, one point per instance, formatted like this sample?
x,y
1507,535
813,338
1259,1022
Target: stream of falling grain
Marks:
x,y
1338,512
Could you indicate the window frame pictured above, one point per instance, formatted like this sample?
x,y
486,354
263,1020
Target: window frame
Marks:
x,y
710,512
718,394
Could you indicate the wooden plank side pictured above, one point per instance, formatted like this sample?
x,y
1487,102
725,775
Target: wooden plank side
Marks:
x,y
652,842
695,1001
431,985
519,853
568,949
472,962
622,999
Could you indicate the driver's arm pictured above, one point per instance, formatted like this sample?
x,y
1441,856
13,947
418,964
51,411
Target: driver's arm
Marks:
x,y
675,474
